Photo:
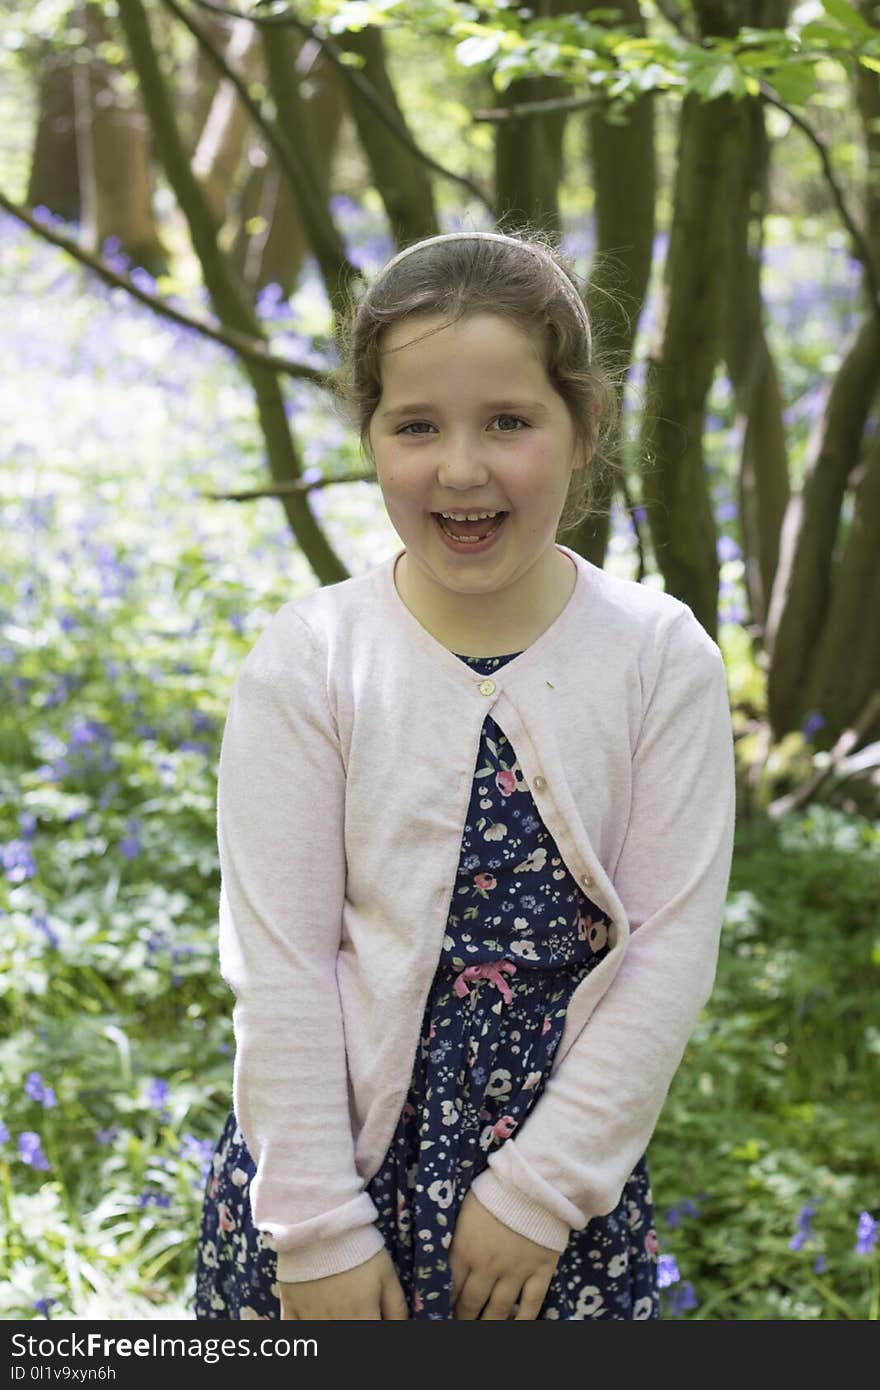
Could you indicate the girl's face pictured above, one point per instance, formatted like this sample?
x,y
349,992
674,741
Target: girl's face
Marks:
x,y
468,421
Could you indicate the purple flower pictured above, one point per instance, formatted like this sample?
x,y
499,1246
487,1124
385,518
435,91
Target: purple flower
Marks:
x,y
819,1265
4,1133
17,861
156,1199
687,1207
106,1136
866,1233
42,1305
640,514
35,1088
812,724
667,1271
157,1094
29,1150
804,1221
728,549
680,1300
41,922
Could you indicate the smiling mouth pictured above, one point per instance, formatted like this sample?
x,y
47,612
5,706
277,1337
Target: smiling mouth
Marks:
x,y
468,531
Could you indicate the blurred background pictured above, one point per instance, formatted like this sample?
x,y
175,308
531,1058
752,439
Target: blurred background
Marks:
x,y
189,193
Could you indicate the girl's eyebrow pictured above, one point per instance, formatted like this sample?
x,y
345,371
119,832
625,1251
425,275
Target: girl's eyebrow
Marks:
x,y
424,408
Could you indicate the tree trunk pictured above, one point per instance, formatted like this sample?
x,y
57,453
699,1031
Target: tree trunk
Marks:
x,y
763,477
221,143
283,246
228,296
304,167
682,364
801,603
114,156
624,181
846,668
529,150
53,181
400,177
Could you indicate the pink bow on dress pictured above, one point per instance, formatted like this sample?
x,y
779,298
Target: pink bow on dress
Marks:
x,y
491,971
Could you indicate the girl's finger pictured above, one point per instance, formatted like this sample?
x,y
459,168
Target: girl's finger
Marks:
x,y
475,1294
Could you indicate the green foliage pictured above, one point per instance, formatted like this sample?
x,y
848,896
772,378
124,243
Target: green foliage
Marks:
x,y
774,1109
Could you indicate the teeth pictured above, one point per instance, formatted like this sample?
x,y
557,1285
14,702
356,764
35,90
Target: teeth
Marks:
x,y
467,516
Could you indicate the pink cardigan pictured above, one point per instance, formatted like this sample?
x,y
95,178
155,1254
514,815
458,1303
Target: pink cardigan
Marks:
x,y
344,780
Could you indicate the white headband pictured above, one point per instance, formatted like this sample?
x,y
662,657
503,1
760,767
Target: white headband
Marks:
x,y
569,289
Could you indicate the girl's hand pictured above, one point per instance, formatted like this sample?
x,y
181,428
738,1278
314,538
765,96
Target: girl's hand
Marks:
x,y
494,1269
370,1291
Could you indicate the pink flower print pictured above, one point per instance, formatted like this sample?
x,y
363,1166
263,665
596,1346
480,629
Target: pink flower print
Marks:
x,y
546,1027
485,881
504,1127
226,1221
432,1032
408,1111
505,782
652,1245
418,1302
215,1183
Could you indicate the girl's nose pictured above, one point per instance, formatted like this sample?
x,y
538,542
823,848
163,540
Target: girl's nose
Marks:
x,y
460,464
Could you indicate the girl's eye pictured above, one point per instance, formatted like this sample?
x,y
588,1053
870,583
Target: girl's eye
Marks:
x,y
415,427
509,424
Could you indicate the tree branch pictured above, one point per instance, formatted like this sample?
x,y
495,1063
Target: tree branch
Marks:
x,y
362,84
238,342
861,248
537,108
844,745
283,489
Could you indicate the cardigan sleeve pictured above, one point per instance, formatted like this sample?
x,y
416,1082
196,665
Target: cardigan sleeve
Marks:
x,y
591,1124
280,800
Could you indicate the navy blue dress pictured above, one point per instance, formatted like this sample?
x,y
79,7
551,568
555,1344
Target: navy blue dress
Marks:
x,y
520,937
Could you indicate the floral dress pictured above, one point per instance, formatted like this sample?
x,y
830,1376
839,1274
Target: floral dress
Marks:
x,y
519,939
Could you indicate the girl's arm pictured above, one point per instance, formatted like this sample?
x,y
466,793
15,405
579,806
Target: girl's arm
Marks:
x,y
280,803
592,1123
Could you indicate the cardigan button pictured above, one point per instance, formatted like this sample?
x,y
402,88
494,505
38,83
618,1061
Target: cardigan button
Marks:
x,y
588,881
486,687
539,784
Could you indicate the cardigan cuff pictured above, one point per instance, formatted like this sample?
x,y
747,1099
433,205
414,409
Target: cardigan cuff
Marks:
x,y
330,1255
521,1213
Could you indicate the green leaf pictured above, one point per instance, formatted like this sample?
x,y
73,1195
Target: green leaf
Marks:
x,y
847,16
795,84
471,52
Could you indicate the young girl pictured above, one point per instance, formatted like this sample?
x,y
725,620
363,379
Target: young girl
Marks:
x,y
475,820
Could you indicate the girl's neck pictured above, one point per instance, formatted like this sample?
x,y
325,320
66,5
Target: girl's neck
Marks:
x,y
493,624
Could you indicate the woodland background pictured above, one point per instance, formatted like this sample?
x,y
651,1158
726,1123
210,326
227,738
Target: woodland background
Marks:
x,y
188,194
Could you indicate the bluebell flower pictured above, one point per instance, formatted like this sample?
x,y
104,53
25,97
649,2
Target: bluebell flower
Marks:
x,y
41,922
727,549
37,1090
4,1133
866,1233
819,1265
106,1136
157,1093
18,863
804,1221
812,724
681,1299
29,1150
667,1271
42,1305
